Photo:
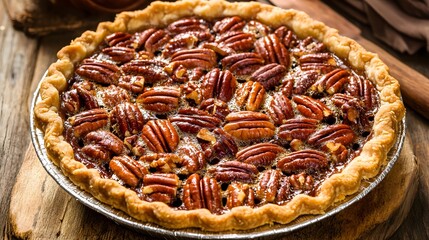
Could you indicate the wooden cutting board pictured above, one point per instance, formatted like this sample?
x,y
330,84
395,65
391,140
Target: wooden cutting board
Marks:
x,y
40,209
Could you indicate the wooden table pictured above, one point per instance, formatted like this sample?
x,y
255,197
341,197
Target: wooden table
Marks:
x,y
23,61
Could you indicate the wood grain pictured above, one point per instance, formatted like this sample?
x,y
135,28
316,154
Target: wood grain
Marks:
x,y
16,70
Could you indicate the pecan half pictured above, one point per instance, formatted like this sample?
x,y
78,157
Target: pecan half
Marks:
x,y
301,181
134,84
127,169
187,25
202,193
237,40
106,140
126,119
235,171
332,82
322,62
218,84
363,88
272,50
286,36
280,109
229,24
192,120
337,133
100,145
151,39
151,70
251,95
215,107
299,128
243,63
269,75
119,39
240,194
120,54
160,99
304,160
99,71
94,153
283,191
193,58
113,95
160,136
247,125
161,187
311,108
261,154
193,158
269,186
88,121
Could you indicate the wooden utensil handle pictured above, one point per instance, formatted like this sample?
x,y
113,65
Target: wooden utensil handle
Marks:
x,y
416,95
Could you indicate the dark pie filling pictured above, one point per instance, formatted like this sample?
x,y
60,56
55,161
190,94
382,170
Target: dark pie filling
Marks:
x,y
217,114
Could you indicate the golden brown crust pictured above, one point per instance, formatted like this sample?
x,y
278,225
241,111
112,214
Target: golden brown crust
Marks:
x,y
334,189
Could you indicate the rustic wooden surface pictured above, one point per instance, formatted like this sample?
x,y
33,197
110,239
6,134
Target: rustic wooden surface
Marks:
x,y
22,63
42,17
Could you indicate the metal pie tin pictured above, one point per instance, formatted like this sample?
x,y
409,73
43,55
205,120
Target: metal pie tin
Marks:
x,y
264,232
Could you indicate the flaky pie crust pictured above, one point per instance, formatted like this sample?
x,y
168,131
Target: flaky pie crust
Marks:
x,y
334,189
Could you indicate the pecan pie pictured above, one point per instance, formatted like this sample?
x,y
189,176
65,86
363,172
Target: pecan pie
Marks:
x,y
218,115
